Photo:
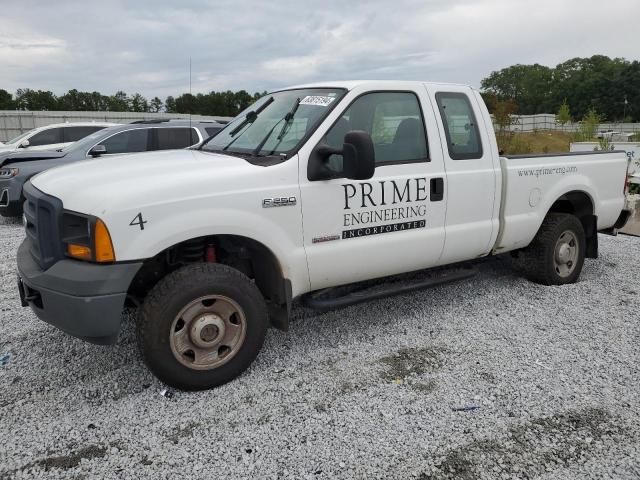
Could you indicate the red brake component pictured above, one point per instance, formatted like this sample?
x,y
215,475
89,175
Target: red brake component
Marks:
x,y
210,254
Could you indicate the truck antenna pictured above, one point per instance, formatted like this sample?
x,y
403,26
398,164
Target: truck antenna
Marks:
x,y
190,96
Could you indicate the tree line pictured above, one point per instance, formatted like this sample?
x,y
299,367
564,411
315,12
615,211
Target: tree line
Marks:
x,y
225,104
608,87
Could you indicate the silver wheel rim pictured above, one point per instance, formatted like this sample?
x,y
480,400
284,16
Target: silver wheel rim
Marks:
x,y
208,332
565,255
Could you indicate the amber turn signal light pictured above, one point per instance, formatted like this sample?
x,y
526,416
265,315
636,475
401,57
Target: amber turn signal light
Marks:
x,y
102,242
80,252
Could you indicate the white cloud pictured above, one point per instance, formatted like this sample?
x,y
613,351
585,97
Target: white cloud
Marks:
x,y
20,46
145,46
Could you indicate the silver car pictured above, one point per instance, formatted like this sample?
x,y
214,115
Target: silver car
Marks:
x,y
141,136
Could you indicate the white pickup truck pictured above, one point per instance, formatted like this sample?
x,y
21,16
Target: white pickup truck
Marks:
x,y
311,188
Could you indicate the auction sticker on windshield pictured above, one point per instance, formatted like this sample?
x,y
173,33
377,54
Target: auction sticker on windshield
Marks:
x,y
318,100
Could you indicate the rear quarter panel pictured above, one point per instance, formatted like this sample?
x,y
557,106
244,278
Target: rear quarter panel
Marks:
x,y
531,185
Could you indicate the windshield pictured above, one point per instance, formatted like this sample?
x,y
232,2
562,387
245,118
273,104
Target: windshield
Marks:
x,y
19,137
276,123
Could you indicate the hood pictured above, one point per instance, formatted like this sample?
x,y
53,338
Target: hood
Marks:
x,y
7,147
16,157
96,186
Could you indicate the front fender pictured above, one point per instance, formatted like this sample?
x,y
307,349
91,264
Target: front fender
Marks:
x,y
166,226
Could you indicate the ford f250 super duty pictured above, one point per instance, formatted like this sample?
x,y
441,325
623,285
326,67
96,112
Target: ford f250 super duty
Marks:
x,y
311,188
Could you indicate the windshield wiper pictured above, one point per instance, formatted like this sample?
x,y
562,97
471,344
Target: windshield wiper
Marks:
x,y
288,117
250,117
287,120
233,141
256,150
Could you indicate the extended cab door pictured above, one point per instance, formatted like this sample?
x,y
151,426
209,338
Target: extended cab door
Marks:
x,y
473,172
392,223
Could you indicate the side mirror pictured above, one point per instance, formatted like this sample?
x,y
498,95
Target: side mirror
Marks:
x,y
98,150
24,144
358,158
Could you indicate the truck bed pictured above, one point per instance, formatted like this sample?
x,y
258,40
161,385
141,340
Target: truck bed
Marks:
x,y
531,184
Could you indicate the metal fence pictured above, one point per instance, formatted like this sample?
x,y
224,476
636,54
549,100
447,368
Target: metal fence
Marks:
x,y
547,121
16,122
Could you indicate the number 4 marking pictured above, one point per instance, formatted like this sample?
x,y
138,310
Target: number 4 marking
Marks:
x,y
137,220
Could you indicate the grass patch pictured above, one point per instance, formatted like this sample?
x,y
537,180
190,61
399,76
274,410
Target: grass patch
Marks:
x,y
543,141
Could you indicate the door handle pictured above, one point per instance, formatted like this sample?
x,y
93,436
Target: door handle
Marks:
x,y
437,189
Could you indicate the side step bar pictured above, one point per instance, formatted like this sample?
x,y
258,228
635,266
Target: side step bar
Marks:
x,y
328,299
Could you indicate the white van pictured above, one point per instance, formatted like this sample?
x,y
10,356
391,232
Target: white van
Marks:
x,y
53,137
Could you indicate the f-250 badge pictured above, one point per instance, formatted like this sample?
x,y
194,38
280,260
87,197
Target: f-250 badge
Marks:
x,y
279,202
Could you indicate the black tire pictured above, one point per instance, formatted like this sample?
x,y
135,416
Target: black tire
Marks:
x,y
539,258
167,299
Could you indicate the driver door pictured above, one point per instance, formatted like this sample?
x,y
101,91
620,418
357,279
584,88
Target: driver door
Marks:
x,y
391,223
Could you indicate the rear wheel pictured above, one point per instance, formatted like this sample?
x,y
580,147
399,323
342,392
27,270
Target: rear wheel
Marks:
x,y
202,326
556,255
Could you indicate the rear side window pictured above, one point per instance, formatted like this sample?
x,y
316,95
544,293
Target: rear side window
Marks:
x,y
175,138
128,142
73,134
212,131
46,137
460,126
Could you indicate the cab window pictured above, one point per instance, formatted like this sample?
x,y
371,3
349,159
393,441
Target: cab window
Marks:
x,y
395,122
460,126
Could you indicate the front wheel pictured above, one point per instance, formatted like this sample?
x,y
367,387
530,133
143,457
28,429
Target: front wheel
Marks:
x,y
202,326
556,255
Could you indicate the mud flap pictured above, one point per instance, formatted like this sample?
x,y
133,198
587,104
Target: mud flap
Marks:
x,y
590,225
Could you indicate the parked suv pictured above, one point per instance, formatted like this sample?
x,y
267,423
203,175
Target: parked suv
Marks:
x,y
141,136
51,137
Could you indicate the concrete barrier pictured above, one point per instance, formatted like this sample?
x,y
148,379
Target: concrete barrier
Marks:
x,y
633,225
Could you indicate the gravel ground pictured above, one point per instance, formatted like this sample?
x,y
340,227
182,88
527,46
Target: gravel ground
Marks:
x,y
493,377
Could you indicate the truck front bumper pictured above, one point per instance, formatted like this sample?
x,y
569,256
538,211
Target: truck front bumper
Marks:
x,y
82,299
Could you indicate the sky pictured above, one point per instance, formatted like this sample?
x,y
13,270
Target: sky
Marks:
x,y
144,46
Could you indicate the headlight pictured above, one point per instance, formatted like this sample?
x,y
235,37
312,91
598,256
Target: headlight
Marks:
x,y
86,238
8,172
